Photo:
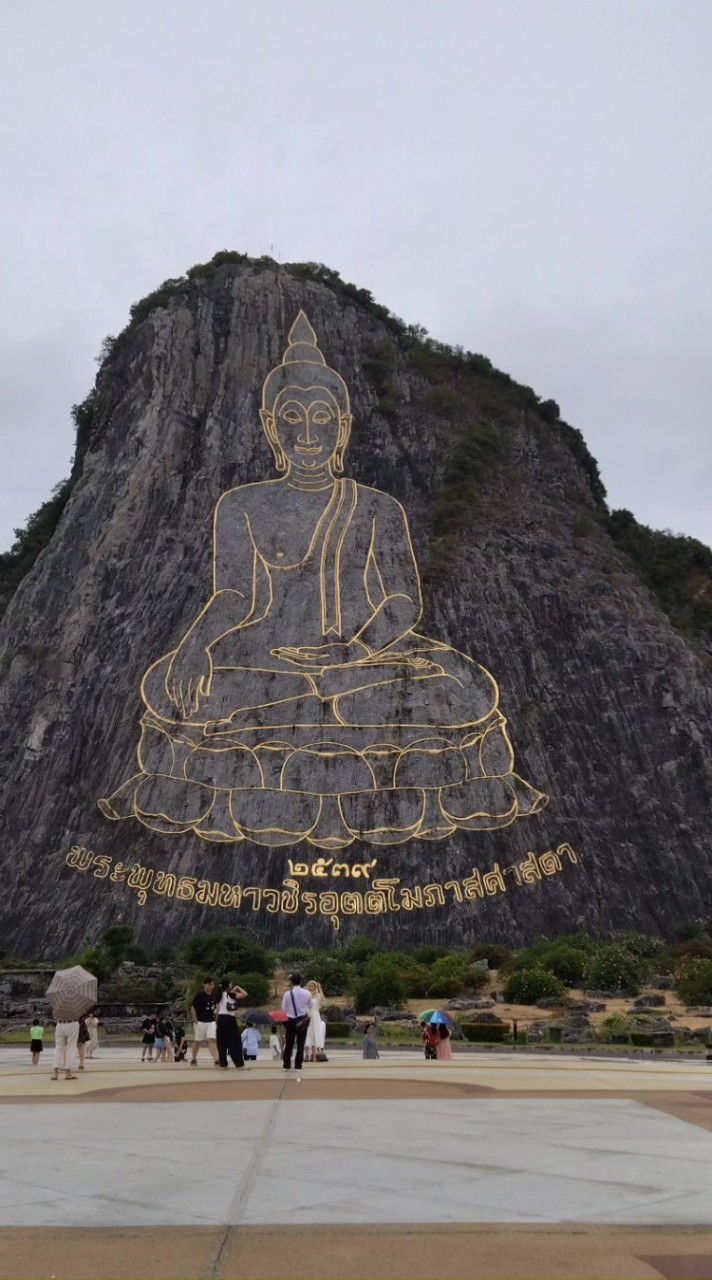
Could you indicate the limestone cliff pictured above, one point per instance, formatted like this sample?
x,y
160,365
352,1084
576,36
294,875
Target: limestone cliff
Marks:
x,y
608,705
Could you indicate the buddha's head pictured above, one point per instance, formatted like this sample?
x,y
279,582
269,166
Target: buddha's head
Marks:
x,y
305,411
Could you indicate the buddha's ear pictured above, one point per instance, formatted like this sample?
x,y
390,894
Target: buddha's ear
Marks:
x,y
341,443
270,431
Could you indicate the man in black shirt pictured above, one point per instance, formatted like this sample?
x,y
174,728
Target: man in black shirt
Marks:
x,y
202,1012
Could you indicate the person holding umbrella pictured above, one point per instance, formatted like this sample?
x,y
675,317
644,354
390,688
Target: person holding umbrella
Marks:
x,y
71,993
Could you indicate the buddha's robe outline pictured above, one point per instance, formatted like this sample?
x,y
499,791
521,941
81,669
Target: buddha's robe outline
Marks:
x,y
410,729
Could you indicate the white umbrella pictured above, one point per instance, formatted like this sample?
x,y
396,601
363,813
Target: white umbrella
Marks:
x,y
71,993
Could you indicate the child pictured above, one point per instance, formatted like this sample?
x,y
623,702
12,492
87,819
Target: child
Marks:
x,y
251,1041
36,1034
275,1045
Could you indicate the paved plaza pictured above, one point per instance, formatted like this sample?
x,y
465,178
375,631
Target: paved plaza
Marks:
x,y
489,1166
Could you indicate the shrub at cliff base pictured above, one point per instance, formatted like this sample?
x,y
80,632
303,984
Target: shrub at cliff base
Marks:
x,y
613,967
694,982
451,975
446,988
565,961
225,951
337,1030
617,1028
331,970
496,955
484,1033
526,986
381,983
257,987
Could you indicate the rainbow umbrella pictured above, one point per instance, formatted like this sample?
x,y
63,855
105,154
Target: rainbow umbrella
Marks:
x,y
434,1015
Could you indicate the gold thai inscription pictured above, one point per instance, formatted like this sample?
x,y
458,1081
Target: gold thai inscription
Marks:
x,y
380,896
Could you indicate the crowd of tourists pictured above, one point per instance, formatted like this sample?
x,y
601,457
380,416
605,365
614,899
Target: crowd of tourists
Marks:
x,y
298,1036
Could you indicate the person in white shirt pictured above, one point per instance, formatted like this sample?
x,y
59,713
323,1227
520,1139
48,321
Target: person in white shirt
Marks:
x,y
275,1045
251,1041
296,1003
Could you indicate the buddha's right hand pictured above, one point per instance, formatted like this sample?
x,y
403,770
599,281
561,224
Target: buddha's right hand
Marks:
x,y
189,678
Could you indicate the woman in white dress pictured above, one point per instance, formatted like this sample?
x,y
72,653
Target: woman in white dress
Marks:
x,y
316,1033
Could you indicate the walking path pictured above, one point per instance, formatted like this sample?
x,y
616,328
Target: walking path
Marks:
x,y
501,1167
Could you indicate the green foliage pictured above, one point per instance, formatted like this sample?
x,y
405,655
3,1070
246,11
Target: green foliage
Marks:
x,y
443,401
478,451
429,953
485,1032
496,955
257,987
337,1030
694,982
359,950
641,1038
612,967
381,983
565,961
225,951
616,1028
446,988
330,969
640,944
677,569
117,938
97,960
526,986
578,447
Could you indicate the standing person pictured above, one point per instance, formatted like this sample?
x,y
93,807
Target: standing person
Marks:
x,y
296,1003
443,1048
36,1036
370,1043
275,1044
315,1034
430,1042
165,1027
180,1044
65,1048
251,1041
82,1040
148,1026
228,1037
93,1029
202,1012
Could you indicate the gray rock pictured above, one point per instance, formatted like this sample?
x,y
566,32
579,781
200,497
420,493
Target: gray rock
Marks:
x,y
649,1002
663,981
587,1006
569,630
551,1002
699,1011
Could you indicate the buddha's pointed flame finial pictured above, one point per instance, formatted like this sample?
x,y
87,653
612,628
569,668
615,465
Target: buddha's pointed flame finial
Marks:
x,y
302,343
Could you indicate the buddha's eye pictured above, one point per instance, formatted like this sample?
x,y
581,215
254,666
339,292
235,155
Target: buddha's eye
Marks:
x,y
292,417
321,417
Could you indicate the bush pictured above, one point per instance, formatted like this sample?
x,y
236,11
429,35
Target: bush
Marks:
x,y
331,970
485,1032
429,953
417,980
694,982
359,950
257,987
640,944
526,986
617,1028
337,1030
225,951
117,939
566,963
641,1038
613,967
497,956
380,984
446,988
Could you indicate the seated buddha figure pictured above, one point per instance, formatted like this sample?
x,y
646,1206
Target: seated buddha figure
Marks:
x,y
302,703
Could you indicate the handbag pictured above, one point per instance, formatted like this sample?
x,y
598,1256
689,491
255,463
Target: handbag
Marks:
x,y
299,1020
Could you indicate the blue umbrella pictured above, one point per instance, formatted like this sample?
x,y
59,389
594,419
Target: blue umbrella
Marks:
x,y
438,1016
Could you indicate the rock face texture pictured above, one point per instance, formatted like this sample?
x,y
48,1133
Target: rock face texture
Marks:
x,y
608,707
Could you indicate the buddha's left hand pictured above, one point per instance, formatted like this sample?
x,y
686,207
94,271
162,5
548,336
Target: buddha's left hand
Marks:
x,y
324,655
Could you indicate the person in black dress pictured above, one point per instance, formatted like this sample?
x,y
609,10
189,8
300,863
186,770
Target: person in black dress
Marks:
x,y
228,1036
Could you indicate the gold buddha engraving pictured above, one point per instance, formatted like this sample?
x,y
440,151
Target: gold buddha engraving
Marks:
x,y
302,704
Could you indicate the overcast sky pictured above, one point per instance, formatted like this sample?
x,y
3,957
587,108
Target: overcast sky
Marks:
x,y
529,178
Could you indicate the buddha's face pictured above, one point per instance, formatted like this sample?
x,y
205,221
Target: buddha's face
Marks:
x,y
307,424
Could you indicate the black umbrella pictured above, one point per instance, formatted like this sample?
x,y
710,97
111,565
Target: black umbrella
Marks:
x,y
258,1018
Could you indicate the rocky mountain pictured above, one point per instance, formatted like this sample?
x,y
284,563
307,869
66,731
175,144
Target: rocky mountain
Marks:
x,y
600,816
